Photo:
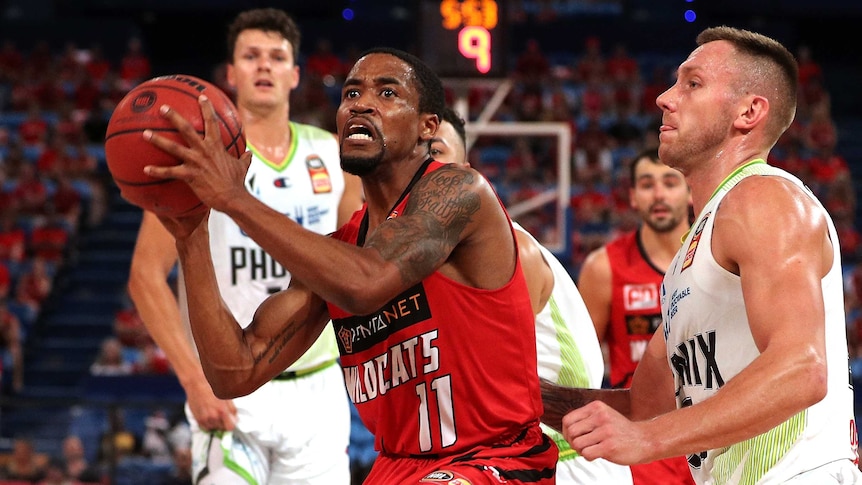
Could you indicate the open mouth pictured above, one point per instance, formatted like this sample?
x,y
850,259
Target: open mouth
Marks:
x,y
359,133
263,83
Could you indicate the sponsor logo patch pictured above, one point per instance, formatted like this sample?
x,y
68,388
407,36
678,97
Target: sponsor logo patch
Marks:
x,y
321,183
695,240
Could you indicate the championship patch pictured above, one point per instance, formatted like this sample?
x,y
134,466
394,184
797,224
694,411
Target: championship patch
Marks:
x,y
692,246
321,183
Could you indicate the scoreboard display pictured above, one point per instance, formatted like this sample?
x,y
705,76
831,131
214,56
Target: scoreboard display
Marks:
x,y
463,38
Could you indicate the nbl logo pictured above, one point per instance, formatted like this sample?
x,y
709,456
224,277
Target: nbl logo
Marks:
x,y
143,101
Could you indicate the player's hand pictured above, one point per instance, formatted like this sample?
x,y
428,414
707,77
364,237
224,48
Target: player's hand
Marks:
x,y
212,173
211,413
597,431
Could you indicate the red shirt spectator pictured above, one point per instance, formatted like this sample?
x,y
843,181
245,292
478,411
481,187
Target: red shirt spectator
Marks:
x,y
30,191
34,285
97,67
11,59
49,241
135,65
827,167
323,62
34,129
620,65
5,281
13,240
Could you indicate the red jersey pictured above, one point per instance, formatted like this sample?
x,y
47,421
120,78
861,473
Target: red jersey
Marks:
x,y
635,315
635,306
442,368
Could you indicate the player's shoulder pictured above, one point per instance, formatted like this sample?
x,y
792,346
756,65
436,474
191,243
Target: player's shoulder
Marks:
x,y
311,132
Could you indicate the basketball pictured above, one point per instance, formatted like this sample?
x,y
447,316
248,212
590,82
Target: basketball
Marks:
x,y
127,153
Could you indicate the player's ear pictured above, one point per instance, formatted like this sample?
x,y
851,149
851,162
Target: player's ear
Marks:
x,y
753,111
428,128
230,74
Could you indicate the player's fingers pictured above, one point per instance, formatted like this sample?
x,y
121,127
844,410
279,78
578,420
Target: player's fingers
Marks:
x,y
175,172
169,146
212,132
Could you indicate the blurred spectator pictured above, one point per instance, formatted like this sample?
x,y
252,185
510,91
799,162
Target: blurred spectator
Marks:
x,y
592,62
75,462
620,65
5,281
66,203
111,361
154,444
808,68
532,68
151,360
34,284
117,442
323,65
11,59
50,239
13,239
181,471
55,474
33,130
24,464
30,191
39,61
97,66
135,65
11,350
129,327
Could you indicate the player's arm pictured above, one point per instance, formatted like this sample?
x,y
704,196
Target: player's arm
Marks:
x,y
540,279
782,293
352,198
594,283
238,360
153,260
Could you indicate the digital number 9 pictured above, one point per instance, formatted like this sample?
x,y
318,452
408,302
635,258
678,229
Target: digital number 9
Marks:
x,y
475,43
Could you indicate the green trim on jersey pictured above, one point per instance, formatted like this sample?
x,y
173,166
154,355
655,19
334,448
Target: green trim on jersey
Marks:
x,y
573,372
295,128
759,454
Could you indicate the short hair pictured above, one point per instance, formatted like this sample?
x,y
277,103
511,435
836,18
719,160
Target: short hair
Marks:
x,y
432,97
456,121
774,70
650,154
267,20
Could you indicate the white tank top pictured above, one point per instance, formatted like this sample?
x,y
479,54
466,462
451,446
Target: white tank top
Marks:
x,y
307,187
709,342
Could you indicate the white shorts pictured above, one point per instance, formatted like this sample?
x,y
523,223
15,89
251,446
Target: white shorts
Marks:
x,y
288,431
843,472
580,471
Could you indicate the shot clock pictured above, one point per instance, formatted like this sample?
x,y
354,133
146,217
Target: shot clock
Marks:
x,y
463,38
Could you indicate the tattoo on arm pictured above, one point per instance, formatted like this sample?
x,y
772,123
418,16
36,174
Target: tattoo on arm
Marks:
x,y
278,342
440,208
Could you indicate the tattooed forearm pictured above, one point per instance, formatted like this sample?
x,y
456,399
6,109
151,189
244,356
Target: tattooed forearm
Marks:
x,y
277,343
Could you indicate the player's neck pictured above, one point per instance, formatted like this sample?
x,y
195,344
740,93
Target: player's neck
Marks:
x,y
661,247
268,131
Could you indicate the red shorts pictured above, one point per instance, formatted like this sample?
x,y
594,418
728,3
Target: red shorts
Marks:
x,y
670,471
531,460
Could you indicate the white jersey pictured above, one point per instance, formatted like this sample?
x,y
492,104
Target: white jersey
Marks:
x,y
709,342
569,354
307,187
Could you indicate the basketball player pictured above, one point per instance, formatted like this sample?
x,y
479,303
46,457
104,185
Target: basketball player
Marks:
x,y
566,345
752,345
424,287
294,428
620,285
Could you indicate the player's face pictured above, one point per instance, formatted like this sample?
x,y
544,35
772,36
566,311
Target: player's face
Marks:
x,y
660,196
378,119
447,146
263,70
697,111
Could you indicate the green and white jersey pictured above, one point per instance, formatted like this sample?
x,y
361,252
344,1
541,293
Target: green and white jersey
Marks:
x,y
307,187
709,342
568,353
